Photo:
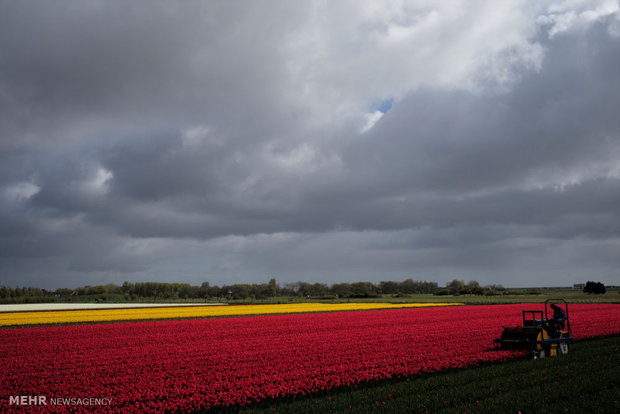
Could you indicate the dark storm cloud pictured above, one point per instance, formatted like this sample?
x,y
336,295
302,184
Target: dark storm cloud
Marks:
x,y
135,140
71,68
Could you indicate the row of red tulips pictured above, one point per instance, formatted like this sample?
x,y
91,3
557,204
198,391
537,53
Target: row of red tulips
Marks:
x,y
197,364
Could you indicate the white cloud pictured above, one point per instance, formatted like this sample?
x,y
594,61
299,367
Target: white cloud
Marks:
x,y
97,183
614,27
21,191
571,15
300,157
346,55
197,136
560,179
371,119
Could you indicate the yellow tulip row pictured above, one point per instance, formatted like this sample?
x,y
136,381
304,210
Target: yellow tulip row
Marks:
x,y
128,314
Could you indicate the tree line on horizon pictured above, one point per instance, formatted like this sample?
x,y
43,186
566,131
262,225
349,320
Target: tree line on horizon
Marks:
x,y
163,290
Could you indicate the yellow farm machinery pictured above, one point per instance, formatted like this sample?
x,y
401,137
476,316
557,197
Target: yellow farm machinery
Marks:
x,y
542,335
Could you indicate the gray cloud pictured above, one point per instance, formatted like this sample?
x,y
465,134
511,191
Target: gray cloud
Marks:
x,y
221,142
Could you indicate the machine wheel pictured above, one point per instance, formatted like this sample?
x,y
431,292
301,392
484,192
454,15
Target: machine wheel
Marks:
x,y
563,348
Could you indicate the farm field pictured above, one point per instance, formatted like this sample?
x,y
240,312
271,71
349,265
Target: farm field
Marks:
x,y
551,385
200,364
132,313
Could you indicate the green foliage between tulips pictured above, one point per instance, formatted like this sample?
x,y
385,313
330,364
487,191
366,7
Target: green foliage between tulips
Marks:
x,y
585,380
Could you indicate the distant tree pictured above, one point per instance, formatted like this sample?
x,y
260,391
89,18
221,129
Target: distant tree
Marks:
x,y
427,287
408,286
319,289
204,290
5,292
262,291
273,287
240,291
594,287
289,289
215,291
112,288
343,290
363,290
456,287
187,291
388,288
304,289
474,288
127,288
493,290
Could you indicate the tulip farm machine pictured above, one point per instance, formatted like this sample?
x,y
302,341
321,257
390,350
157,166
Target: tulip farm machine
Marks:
x,y
540,334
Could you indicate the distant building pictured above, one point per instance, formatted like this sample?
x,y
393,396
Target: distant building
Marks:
x,y
579,285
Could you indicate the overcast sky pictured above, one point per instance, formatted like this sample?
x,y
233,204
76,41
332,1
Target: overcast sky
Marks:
x,y
235,141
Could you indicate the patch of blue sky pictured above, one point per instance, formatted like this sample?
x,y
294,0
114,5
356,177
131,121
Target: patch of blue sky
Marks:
x,y
385,105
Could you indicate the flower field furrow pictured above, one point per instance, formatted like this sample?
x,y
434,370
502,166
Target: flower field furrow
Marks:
x,y
197,364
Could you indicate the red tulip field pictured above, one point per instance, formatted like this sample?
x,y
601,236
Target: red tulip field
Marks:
x,y
189,365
